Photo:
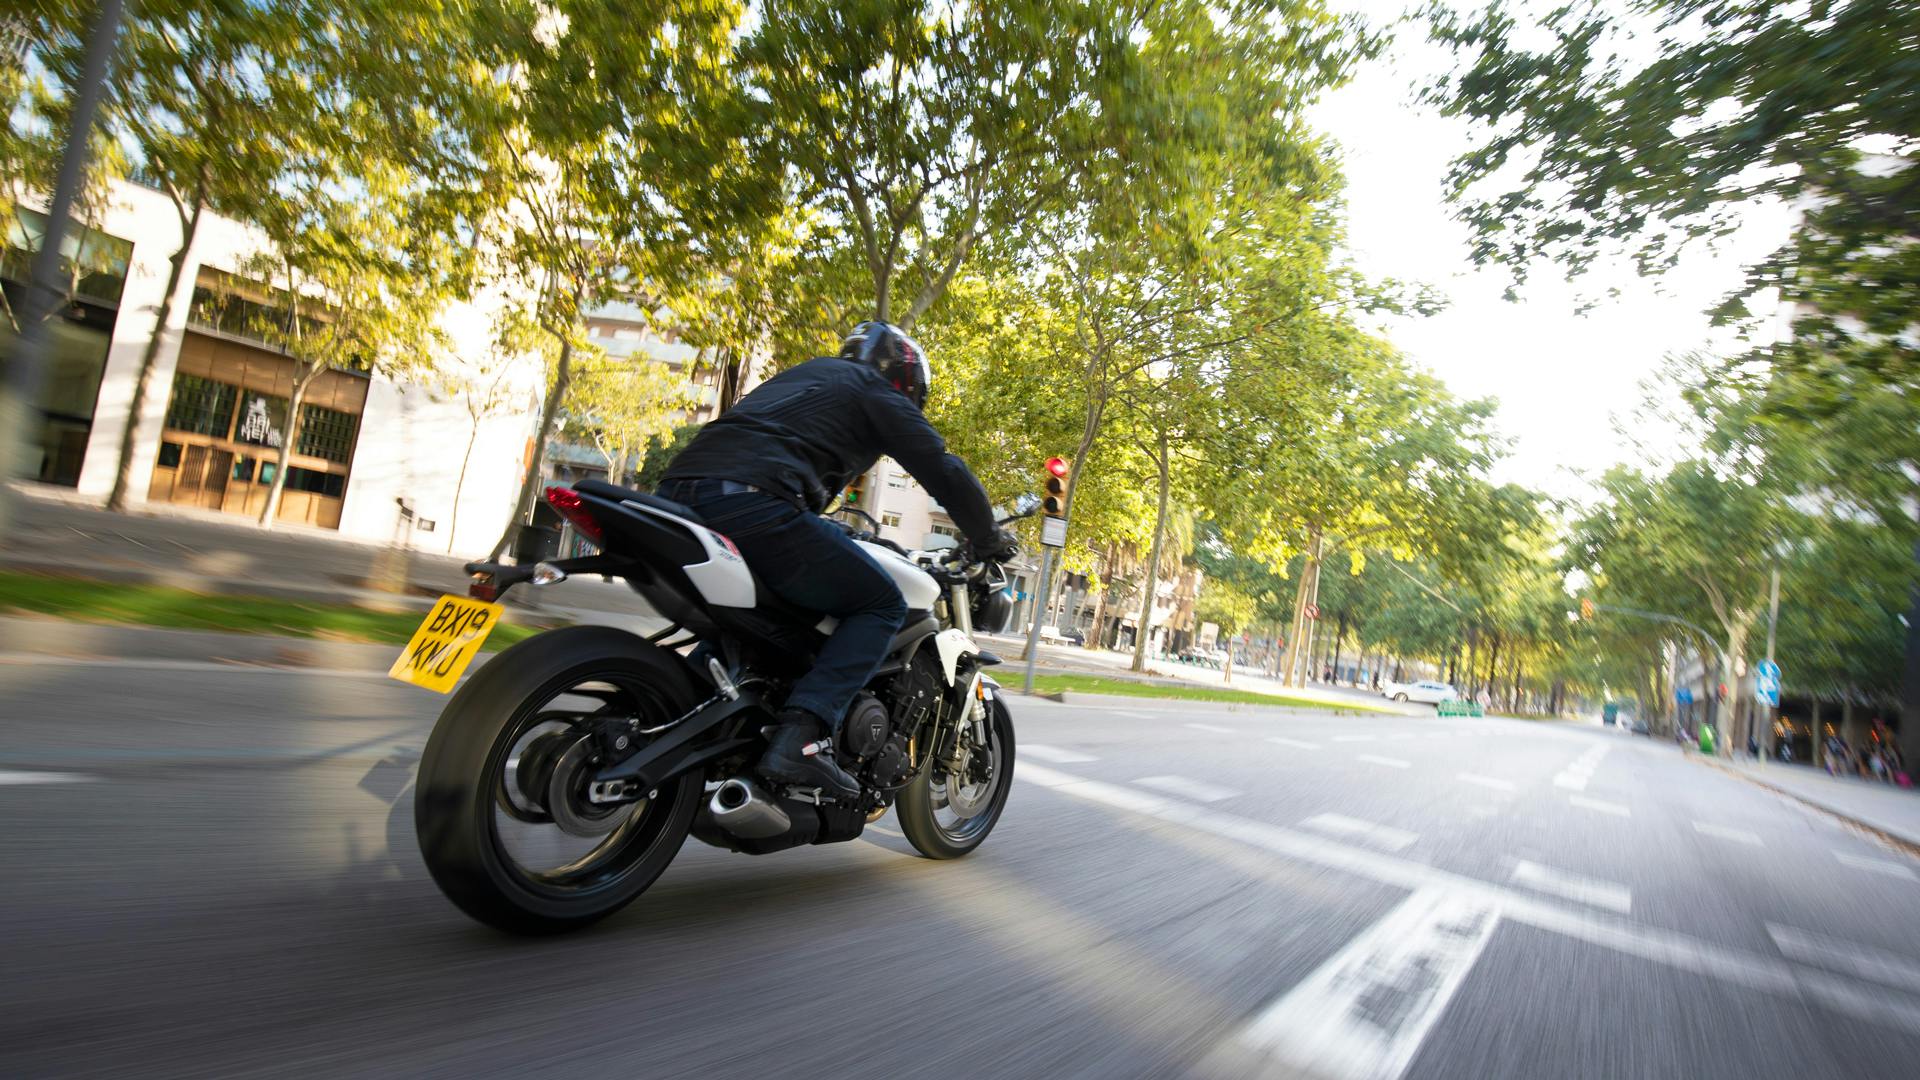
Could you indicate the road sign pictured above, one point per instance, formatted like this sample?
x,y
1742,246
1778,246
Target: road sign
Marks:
x,y
1313,611
1766,682
1053,532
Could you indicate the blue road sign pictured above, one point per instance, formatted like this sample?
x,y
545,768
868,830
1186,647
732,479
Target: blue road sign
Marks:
x,y
1766,682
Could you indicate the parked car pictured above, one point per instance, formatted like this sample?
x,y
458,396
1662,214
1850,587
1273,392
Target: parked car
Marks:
x,y
1426,691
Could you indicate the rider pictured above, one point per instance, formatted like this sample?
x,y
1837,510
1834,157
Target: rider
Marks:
x,y
761,474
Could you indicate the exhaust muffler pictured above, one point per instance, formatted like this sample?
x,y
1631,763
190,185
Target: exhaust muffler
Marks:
x,y
745,811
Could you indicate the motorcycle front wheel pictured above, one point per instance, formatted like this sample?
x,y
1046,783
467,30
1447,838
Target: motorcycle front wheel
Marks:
x,y
500,806
948,817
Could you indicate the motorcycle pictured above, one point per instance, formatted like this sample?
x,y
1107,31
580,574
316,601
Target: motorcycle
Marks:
x,y
565,775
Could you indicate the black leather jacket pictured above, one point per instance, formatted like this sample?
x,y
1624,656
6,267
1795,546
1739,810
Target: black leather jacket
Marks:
x,y
808,431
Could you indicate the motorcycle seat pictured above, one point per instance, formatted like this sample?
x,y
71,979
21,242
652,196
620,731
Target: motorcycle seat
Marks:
x,y
604,490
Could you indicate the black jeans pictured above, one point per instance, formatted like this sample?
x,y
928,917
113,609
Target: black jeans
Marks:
x,y
811,565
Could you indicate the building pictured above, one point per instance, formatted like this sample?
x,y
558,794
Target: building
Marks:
x,y
375,459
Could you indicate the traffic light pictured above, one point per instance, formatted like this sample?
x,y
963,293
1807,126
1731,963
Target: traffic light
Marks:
x,y
1053,488
1586,608
856,493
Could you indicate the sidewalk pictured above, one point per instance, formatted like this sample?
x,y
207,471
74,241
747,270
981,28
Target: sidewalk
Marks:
x,y
1894,811
55,533
1117,665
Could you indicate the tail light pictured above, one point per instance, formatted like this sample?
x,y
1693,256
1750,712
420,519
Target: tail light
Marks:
x,y
568,503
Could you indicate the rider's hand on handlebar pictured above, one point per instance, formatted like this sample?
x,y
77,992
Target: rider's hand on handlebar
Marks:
x,y
999,547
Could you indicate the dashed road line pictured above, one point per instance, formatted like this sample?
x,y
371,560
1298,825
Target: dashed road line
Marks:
x,y
1389,762
1130,713
1210,728
1053,753
1585,890
1363,1014
1493,782
1669,948
1721,832
11,777
1381,836
1355,738
1834,954
1297,744
1877,866
1600,805
1187,789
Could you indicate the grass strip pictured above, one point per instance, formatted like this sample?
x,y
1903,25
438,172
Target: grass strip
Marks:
x,y
1094,684
83,600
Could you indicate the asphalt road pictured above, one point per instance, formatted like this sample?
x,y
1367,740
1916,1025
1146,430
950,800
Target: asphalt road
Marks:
x,y
211,871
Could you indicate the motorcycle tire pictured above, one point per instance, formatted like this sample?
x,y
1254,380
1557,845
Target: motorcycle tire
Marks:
x,y
918,814
455,795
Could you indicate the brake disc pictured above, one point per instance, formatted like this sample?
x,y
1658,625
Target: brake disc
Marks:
x,y
567,794
969,799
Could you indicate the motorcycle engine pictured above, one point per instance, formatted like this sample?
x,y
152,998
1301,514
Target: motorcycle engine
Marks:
x,y
869,747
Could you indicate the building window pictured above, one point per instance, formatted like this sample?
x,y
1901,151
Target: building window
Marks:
x,y
898,481
201,406
326,434
332,485
946,530
891,521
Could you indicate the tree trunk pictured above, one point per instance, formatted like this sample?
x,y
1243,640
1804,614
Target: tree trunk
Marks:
x,y
1339,636
1153,562
301,383
453,522
1299,645
123,472
1098,637
563,374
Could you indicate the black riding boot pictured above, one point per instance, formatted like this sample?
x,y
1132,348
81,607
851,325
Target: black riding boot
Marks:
x,y
799,754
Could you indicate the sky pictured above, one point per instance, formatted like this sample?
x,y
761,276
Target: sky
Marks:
x,y
1561,378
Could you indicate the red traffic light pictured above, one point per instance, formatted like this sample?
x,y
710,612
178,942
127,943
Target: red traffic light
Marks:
x,y
1057,466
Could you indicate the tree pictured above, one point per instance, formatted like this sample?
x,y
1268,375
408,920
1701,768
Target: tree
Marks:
x,y
1225,606
923,130
200,91
355,282
626,405
619,145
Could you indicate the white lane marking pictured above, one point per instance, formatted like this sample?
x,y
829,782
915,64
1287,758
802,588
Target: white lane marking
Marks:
x,y
1052,753
1721,832
1187,789
1580,770
1295,743
1403,737
1602,806
1365,1012
17,776
1383,836
1493,782
1844,956
1586,890
1214,728
1353,738
1131,713
1876,866
885,832
1390,762
1676,950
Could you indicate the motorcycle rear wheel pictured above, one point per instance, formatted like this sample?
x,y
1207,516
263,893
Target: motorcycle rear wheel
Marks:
x,y
461,799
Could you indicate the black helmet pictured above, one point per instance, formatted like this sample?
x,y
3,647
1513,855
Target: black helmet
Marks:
x,y
883,347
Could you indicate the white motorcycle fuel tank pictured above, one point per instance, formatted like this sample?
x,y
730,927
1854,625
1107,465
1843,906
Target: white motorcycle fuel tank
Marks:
x,y
918,589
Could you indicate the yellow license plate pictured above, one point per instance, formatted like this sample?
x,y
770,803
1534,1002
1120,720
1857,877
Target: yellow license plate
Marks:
x,y
446,643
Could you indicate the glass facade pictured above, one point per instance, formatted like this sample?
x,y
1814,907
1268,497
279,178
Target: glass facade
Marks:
x,y
94,270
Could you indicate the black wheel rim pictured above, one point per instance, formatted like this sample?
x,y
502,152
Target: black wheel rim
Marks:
x,y
529,846
962,831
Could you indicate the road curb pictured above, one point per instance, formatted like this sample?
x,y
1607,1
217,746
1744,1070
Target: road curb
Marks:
x,y
1892,838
